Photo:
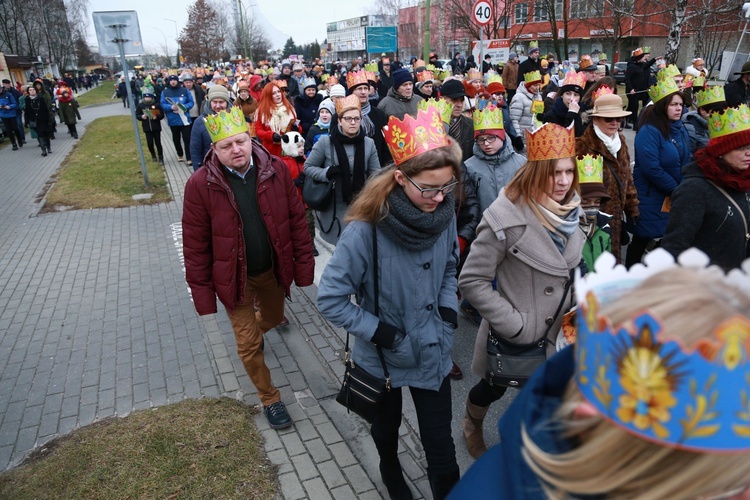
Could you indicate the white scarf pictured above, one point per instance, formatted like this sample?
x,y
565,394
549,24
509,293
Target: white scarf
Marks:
x,y
280,119
613,144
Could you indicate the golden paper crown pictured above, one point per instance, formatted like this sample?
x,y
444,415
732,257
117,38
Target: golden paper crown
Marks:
x,y
354,78
443,74
590,169
474,74
425,76
372,76
575,79
226,124
532,77
431,67
487,116
602,56
372,67
637,52
585,62
663,89
444,107
533,44
687,82
324,77
344,104
492,77
730,121
669,72
603,90
699,81
410,137
711,95
550,142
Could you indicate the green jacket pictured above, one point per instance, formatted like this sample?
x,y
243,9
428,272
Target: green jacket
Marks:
x,y
69,112
599,242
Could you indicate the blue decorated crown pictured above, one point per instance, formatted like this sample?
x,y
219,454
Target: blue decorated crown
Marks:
x,y
654,387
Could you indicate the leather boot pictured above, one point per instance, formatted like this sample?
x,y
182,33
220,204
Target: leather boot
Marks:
x,y
442,484
390,469
472,425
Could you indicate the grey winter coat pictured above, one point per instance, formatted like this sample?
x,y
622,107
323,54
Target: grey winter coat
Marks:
x,y
520,111
395,105
412,286
489,174
697,128
316,166
513,246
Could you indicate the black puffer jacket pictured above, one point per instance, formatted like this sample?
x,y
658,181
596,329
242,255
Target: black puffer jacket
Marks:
x,y
637,74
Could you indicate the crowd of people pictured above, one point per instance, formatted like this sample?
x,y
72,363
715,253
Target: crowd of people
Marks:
x,y
488,192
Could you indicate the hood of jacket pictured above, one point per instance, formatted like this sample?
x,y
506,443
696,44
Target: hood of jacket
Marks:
x,y
695,118
692,170
523,90
498,158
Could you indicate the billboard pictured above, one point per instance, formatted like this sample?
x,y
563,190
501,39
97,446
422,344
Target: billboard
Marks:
x,y
498,49
382,39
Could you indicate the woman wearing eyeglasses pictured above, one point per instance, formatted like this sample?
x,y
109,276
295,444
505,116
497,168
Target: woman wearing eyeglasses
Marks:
x,y
518,270
408,208
347,157
604,139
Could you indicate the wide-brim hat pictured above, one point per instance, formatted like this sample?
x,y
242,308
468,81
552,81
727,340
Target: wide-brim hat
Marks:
x,y
745,69
609,106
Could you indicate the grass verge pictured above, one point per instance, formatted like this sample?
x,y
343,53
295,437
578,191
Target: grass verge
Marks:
x,y
104,170
99,95
207,448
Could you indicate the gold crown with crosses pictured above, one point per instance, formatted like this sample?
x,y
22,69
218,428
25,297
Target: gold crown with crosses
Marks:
x,y
551,142
354,78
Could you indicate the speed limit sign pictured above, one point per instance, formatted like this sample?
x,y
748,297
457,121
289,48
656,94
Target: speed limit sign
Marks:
x,y
482,12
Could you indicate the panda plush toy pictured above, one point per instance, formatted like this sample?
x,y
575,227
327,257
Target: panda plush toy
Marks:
x,y
293,144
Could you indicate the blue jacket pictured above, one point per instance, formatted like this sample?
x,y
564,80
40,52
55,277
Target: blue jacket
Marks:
x,y
502,471
181,95
7,99
657,172
412,286
200,141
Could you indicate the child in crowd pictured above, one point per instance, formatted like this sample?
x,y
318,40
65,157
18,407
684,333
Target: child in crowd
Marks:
x,y
593,223
150,115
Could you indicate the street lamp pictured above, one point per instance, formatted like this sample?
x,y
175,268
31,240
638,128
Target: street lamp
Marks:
x,y
176,40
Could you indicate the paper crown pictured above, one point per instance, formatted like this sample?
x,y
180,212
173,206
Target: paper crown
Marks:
x,y
492,77
372,67
730,121
590,169
355,78
638,52
646,49
532,77
533,44
308,82
226,124
691,398
442,74
602,56
324,77
585,62
444,108
603,90
430,67
487,115
425,76
699,81
574,79
372,77
669,72
475,74
344,104
550,142
710,95
410,137
662,89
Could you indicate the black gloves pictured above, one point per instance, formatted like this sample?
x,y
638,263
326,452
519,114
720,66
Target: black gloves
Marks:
x,y
517,143
332,170
386,336
449,316
300,180
276,137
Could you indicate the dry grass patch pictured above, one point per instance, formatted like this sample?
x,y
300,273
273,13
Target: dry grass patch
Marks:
x,y
104,170
208,448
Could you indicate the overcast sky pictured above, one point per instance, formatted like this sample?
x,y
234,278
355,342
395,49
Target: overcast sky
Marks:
x,y
303,21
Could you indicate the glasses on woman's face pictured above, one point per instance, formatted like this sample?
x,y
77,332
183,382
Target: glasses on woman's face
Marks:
x,y
610,120
487,139
433,192
351,120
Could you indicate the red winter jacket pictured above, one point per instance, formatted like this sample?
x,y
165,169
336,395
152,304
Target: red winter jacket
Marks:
x,y
213,244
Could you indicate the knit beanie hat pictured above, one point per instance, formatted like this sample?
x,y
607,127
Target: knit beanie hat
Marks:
x,y
337,91
722,145
512,55
401,76
218,92
327,104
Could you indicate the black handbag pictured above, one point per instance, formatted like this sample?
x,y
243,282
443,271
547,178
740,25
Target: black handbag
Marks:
x,y
318,195
510,364
361,392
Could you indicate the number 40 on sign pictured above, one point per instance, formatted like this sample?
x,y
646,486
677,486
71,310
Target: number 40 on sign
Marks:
x,y
482,12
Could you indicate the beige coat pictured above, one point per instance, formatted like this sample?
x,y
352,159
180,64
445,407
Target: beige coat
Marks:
x,y
531,274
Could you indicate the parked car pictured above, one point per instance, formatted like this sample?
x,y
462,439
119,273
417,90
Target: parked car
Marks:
x,y
618,71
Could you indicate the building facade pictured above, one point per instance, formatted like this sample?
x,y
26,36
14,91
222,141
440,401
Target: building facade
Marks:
x,y
347,39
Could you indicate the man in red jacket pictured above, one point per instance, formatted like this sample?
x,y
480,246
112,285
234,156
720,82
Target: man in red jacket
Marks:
x,y
245,240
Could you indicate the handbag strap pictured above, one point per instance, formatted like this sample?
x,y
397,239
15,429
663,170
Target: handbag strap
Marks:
x,y
568,284
334,219
742,214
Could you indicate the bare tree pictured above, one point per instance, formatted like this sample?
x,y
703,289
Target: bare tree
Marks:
x,y
712,34
613,21
235,39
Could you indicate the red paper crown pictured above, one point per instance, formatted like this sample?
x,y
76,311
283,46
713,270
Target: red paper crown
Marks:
x,y
354,78
550,142
410,137
425,76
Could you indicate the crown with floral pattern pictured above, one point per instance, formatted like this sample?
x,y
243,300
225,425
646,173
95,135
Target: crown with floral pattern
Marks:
x,y
551,142
574,79
662,89
654,387
590,169
699,81
532,77
443,107
730,121
668,72
487,115
473,74
225,124
425,76
603,90
411,137
710,95
354,78
372,67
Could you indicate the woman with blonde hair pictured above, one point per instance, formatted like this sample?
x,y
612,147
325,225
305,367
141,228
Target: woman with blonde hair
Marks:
x,y
398,254
274,117
650,403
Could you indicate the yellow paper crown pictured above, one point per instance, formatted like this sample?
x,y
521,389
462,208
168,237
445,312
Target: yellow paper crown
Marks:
x,y
443,107
425,76
373,67
575,79
492,77
551,142
662,89
603,90
711,95
602,56
669,72
226,124
354,78
590,169
532,77
443,74
430,67
699,81
324,77
410,137
473,74
730,121
487,116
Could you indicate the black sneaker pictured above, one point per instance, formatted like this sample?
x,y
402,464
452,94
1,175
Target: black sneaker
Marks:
x,y
278,417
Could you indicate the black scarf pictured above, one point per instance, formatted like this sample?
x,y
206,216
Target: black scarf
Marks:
x,y
350,184
412,228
